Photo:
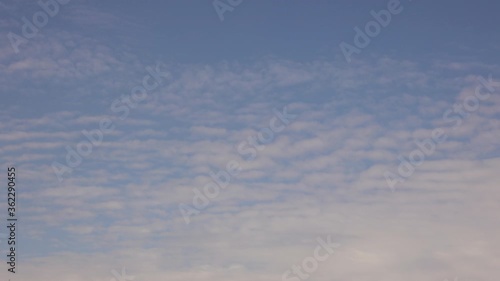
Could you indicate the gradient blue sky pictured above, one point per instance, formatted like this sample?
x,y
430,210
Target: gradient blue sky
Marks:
x,y
323,174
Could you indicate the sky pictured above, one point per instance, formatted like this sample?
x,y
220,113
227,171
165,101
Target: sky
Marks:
x,y
250,140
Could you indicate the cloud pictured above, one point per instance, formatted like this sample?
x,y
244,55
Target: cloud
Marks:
x,y
323,174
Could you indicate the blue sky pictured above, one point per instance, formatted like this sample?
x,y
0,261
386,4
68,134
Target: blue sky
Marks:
x,y
218,95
